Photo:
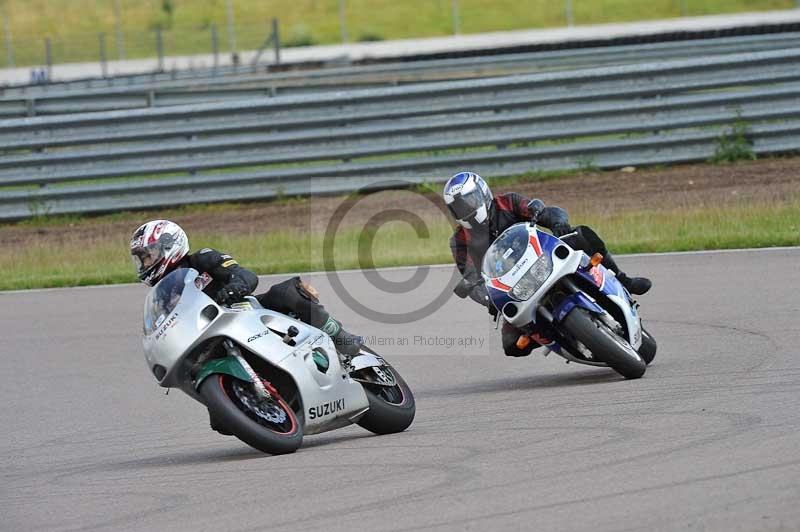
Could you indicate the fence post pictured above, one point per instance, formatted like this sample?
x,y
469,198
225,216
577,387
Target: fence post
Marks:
x,y
570,14
9,43
231,28
343,22
276,40
48,58
118,29
273,39
215,46
103,58
456,17
160,48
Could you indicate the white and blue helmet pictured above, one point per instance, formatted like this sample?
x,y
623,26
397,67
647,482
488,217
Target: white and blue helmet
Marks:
x,y
469,199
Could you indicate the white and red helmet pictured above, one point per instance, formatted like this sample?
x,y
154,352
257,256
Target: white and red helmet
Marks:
x,y
156,247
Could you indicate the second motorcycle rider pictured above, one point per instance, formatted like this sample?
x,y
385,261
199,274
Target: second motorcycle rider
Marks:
x,y
482,217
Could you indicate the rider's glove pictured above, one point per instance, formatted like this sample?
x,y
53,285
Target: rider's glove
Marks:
x,y
480,295
535,208
232,293
560,230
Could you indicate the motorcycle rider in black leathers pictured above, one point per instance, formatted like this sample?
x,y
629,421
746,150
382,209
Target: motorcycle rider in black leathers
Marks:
x,y
482,217
160,246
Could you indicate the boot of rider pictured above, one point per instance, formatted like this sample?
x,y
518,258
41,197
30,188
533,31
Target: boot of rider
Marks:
x,y
346,343
635,285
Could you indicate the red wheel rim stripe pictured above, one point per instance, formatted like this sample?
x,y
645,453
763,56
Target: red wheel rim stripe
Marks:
x,y
289,411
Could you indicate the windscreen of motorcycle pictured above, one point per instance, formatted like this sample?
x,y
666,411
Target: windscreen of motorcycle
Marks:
x,y
162,299
506,251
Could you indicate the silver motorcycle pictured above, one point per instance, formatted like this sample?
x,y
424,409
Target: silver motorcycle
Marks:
x,y
265,377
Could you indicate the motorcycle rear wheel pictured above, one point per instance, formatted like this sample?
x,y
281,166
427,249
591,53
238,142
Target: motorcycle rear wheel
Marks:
x,y
604,344
648,347
391,408
271,427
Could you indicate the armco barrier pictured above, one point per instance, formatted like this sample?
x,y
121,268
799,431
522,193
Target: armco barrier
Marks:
x,y
181,88
654,113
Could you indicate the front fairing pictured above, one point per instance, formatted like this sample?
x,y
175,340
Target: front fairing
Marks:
x,y
532,250
176,313
541,246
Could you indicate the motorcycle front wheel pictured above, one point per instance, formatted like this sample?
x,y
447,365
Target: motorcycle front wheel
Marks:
x,y
604,344
391,408
269,425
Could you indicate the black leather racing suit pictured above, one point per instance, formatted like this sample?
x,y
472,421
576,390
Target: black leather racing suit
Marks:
x,y
231,282
469,245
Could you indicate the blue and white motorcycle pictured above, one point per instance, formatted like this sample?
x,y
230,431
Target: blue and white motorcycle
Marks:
x,y
533,277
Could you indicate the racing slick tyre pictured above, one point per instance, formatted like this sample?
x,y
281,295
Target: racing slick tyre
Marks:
x,y
648,347
268,425
391,408
604,344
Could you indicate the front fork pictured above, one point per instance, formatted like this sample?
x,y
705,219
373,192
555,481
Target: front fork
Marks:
x,y
235,365
604,316
258,385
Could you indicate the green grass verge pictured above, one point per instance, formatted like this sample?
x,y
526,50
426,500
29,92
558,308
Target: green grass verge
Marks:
x,y
106,261
74,25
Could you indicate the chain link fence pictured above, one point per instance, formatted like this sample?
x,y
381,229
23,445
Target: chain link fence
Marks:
x,y
102,47
171,31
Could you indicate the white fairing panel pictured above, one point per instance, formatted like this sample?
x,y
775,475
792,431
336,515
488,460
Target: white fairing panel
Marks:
x,y
632,320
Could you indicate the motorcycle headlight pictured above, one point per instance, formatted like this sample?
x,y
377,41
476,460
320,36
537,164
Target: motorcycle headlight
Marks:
x,y
534,278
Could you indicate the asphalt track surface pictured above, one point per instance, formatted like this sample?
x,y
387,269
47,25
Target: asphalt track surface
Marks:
x,y
709,439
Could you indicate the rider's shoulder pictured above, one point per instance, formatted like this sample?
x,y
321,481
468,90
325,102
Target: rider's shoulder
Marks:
x,y
460,233
505,201
205,258
511,201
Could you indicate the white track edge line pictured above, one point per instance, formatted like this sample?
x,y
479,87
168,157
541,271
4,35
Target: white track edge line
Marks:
x,y
437,266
